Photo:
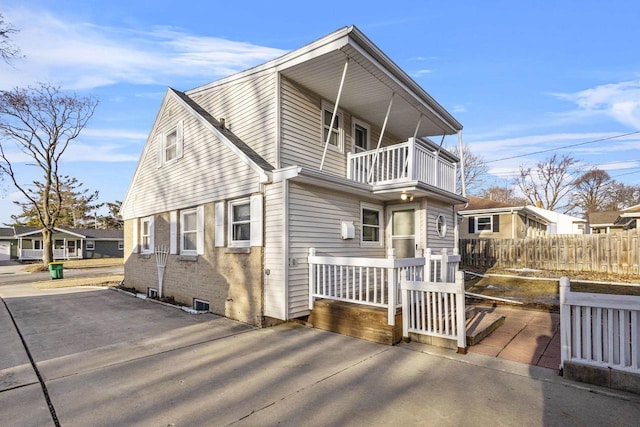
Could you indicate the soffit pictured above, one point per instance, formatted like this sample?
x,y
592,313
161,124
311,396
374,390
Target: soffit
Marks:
x,y
367,91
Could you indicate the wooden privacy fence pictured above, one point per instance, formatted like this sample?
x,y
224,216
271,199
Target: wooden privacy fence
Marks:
x,y
608,253
599,329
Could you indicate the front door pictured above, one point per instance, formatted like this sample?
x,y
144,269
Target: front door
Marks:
x,y
403,226
71,248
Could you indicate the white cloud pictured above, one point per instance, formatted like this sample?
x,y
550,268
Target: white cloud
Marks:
x,y
421,73
459,108
619,101
84,56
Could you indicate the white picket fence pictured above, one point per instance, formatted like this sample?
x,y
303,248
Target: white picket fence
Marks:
x,y
435,309
599,329
374,281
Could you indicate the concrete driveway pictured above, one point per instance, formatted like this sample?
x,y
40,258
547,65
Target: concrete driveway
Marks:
x,y
106,358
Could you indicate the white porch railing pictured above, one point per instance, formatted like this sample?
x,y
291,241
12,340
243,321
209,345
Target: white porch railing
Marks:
x,y
373,281
435,309
408,161
599,329
35,254
29,254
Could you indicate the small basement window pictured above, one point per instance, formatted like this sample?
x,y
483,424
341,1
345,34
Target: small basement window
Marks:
x,y
200,305
152,293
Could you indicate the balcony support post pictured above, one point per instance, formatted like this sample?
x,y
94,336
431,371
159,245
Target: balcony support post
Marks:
x,y
335,113
384,126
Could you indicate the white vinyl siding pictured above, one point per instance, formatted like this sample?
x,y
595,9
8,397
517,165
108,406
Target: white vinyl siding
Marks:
x,y
315,216
275,250
301,131
249,109
433,209
208,171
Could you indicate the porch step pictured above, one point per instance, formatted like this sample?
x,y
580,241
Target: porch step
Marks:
x,y
359,321
481,324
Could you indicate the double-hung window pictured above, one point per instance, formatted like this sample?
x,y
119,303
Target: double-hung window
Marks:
x,y
189,232
335,133
171,146
240,222
484,224
361,133
371,220
146,235
90,245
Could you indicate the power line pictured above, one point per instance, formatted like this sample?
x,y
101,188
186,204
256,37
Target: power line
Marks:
x,y
565,146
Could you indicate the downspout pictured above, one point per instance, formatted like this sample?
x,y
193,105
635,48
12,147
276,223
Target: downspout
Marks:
x,y
335,112
464,187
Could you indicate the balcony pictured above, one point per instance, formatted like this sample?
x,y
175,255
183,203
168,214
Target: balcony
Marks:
x,y
405,162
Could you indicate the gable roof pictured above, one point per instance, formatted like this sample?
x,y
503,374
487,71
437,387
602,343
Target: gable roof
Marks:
x,y
86,233
477,203
7,232
603,218
227,135
371,80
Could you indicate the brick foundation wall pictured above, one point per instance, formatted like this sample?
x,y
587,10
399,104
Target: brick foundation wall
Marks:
x,y
229,279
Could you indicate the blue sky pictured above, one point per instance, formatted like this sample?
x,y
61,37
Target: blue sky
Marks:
x,y
521,77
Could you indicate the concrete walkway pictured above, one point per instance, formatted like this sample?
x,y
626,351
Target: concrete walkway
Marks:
x,y
110,359
527,336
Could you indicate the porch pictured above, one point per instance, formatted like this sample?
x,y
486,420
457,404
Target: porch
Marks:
x,y
386,299
38,254
413,160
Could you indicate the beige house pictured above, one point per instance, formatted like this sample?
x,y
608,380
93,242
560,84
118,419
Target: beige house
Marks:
x,y
484,218
324,150
614,221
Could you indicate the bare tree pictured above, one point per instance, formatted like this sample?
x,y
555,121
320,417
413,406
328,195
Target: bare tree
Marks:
x,y
593,191
623,196
550,182
42,122
8,50
475,167
503,194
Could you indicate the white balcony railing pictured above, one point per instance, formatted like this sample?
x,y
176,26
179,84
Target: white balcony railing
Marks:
x,y
408,161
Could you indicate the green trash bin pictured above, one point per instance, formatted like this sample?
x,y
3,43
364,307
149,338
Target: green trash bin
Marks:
x,y
55,268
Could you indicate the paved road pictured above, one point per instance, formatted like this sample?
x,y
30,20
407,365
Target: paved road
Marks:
x,y
14,273
107,359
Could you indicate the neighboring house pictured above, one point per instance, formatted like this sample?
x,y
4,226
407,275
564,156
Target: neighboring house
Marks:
x,y
68,243
496,220
614,221
8,244
561,223
241,177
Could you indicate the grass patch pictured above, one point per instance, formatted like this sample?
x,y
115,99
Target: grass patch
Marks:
x,y
537,288
77,263
525,290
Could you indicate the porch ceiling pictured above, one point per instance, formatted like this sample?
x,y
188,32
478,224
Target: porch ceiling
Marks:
x,y
367,90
